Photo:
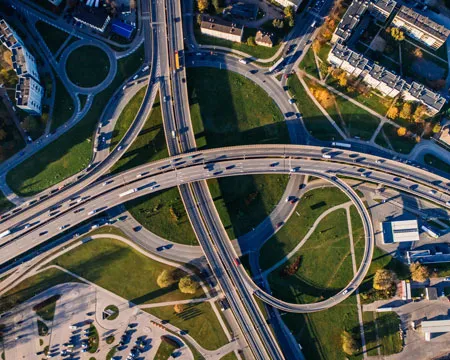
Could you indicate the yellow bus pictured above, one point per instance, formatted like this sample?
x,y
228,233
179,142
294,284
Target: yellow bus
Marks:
x,y
177,61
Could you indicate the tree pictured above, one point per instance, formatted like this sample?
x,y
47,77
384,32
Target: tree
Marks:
x,y
342,79
418,53
216,4
187,285
405,113
383,279
3,134
178,308
323,96
291,22
251,41
437,128
278,24
316,46
165,279
420,113
203,5
392,112
397,34
401,131
289,11
419,272
349,344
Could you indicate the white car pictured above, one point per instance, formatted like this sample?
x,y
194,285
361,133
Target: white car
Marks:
x,y
135,77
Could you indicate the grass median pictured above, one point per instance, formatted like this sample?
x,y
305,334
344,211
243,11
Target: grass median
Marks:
x,y
198,320
149,145
53,37
87,66
163,213
127,117
123,270
63,106
310,206
5,204
72,151
437,163
244,201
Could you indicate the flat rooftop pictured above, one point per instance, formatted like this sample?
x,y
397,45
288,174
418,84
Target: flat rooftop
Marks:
x,y
436,326
351,18
220,25
406,230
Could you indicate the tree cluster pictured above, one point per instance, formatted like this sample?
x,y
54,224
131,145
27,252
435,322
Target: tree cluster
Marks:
x,y
419,272
330,23
292,268
323,96
397,34
410,111
186,284
383,279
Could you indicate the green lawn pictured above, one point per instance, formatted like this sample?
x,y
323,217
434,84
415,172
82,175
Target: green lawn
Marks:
x,y
127,117
46,309
244,201
320,333
325,265
387,328
150,144
121,269
400,144
229,356
163,213
165,350
71,152
260,52
33,286
53,37
437,163
228,109
63,106
198,320
316,123
308,63
13,142
310,206
87,66
5,204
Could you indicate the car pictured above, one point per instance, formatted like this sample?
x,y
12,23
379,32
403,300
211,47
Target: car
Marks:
x,y
137,228
345,292
145,68
432,192
135,77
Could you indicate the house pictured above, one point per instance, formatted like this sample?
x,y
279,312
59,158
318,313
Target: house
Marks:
x,y
350,61
29,95
94,17
350,20
382,9
421,27
219,28
264,38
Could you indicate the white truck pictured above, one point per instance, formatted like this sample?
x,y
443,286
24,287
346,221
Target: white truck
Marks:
x,y
5,233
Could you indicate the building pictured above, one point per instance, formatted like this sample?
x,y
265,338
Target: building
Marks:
x,y
444,134
95,17
405,230
8,37
382,9
24,63
350,20
219,28
122,29
294,3
264,38
421,27
436,326
426,257
29,95
385,81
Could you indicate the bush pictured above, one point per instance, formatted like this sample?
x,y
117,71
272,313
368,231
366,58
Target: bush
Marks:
x,y
187,285
383,279
349,344
419,272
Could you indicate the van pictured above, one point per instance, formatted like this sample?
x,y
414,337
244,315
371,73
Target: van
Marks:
x,y
145,68
243,61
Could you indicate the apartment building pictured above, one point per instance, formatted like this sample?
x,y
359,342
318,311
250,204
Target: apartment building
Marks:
x,y
24,62
421,27
29,95
350,20
385,81
8,37
382,9
219,28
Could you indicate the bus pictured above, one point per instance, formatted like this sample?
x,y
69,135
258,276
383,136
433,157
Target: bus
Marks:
x,y
430,231
339,144
177,61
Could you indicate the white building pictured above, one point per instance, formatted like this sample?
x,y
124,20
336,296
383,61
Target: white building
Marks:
x,y
436,326
294,3
421,27
219,28
405,230
8,36
24,62
29,95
